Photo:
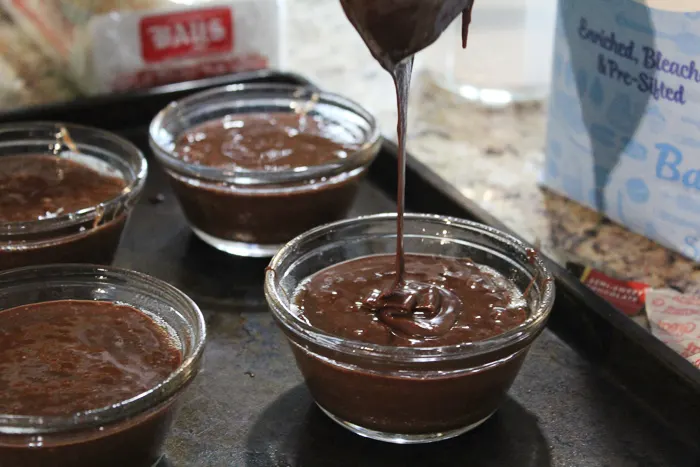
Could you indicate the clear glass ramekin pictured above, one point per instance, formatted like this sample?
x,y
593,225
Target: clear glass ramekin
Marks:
x,y
254,212
129,433
90,235
408,394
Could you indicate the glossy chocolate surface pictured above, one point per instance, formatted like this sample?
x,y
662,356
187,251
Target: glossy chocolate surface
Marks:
x,y
65,357
444,301
269,214
36,187
395,30
40,188
69,356
267,141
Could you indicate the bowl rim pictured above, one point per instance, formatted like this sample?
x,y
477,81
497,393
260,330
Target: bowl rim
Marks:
x,y
141,403
522,333
236,93
81,216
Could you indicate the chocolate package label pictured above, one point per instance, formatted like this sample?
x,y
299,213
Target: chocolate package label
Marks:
x,y
624,127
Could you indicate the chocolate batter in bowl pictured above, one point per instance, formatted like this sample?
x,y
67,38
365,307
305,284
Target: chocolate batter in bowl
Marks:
x,y
121,363
406,378
253,166
66,192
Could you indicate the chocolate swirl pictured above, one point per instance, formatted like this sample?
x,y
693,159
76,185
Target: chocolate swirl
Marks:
x,y
442,301
416,309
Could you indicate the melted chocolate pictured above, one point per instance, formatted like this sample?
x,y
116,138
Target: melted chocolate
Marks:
x,y
395,30
63,357
36,187
443,301
466,21
267,141
270,142
40,187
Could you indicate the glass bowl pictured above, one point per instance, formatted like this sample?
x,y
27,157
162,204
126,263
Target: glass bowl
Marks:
x,y
90,235
408,394
129,433
254,212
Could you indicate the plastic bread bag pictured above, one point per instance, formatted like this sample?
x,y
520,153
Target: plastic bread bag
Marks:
x,y
13,92
26,77
118,45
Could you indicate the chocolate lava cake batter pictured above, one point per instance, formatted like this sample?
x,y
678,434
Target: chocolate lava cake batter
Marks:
x,y
64,357
267,141
270,142
35,188
441,301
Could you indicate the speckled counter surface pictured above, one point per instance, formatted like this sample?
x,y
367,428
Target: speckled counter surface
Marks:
x,y
492,156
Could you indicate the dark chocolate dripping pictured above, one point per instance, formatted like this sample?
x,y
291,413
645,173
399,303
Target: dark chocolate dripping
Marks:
x,y
394,30
402,80
466,21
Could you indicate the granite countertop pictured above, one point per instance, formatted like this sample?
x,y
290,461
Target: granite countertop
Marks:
x,y
493,156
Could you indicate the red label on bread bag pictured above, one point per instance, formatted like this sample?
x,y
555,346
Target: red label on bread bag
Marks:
x,y
184,34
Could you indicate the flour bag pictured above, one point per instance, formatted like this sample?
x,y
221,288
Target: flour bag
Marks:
x,y
624,126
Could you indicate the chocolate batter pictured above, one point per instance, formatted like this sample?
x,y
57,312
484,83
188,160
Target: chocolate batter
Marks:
x,y
37,187
40,187
448,301
59,358
442,301
269,214
64,357
267,141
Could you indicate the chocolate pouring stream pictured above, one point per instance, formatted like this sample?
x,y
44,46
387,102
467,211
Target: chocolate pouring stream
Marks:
x,y
394,31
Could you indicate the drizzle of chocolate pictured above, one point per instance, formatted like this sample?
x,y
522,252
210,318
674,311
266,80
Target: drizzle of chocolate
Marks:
x,y
466,21
444,301
402,80
394,31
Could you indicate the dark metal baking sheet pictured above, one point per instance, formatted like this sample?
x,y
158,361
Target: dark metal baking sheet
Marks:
x,y
249,406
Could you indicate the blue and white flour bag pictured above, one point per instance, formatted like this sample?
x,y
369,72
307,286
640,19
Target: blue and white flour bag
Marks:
x,y
624,125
